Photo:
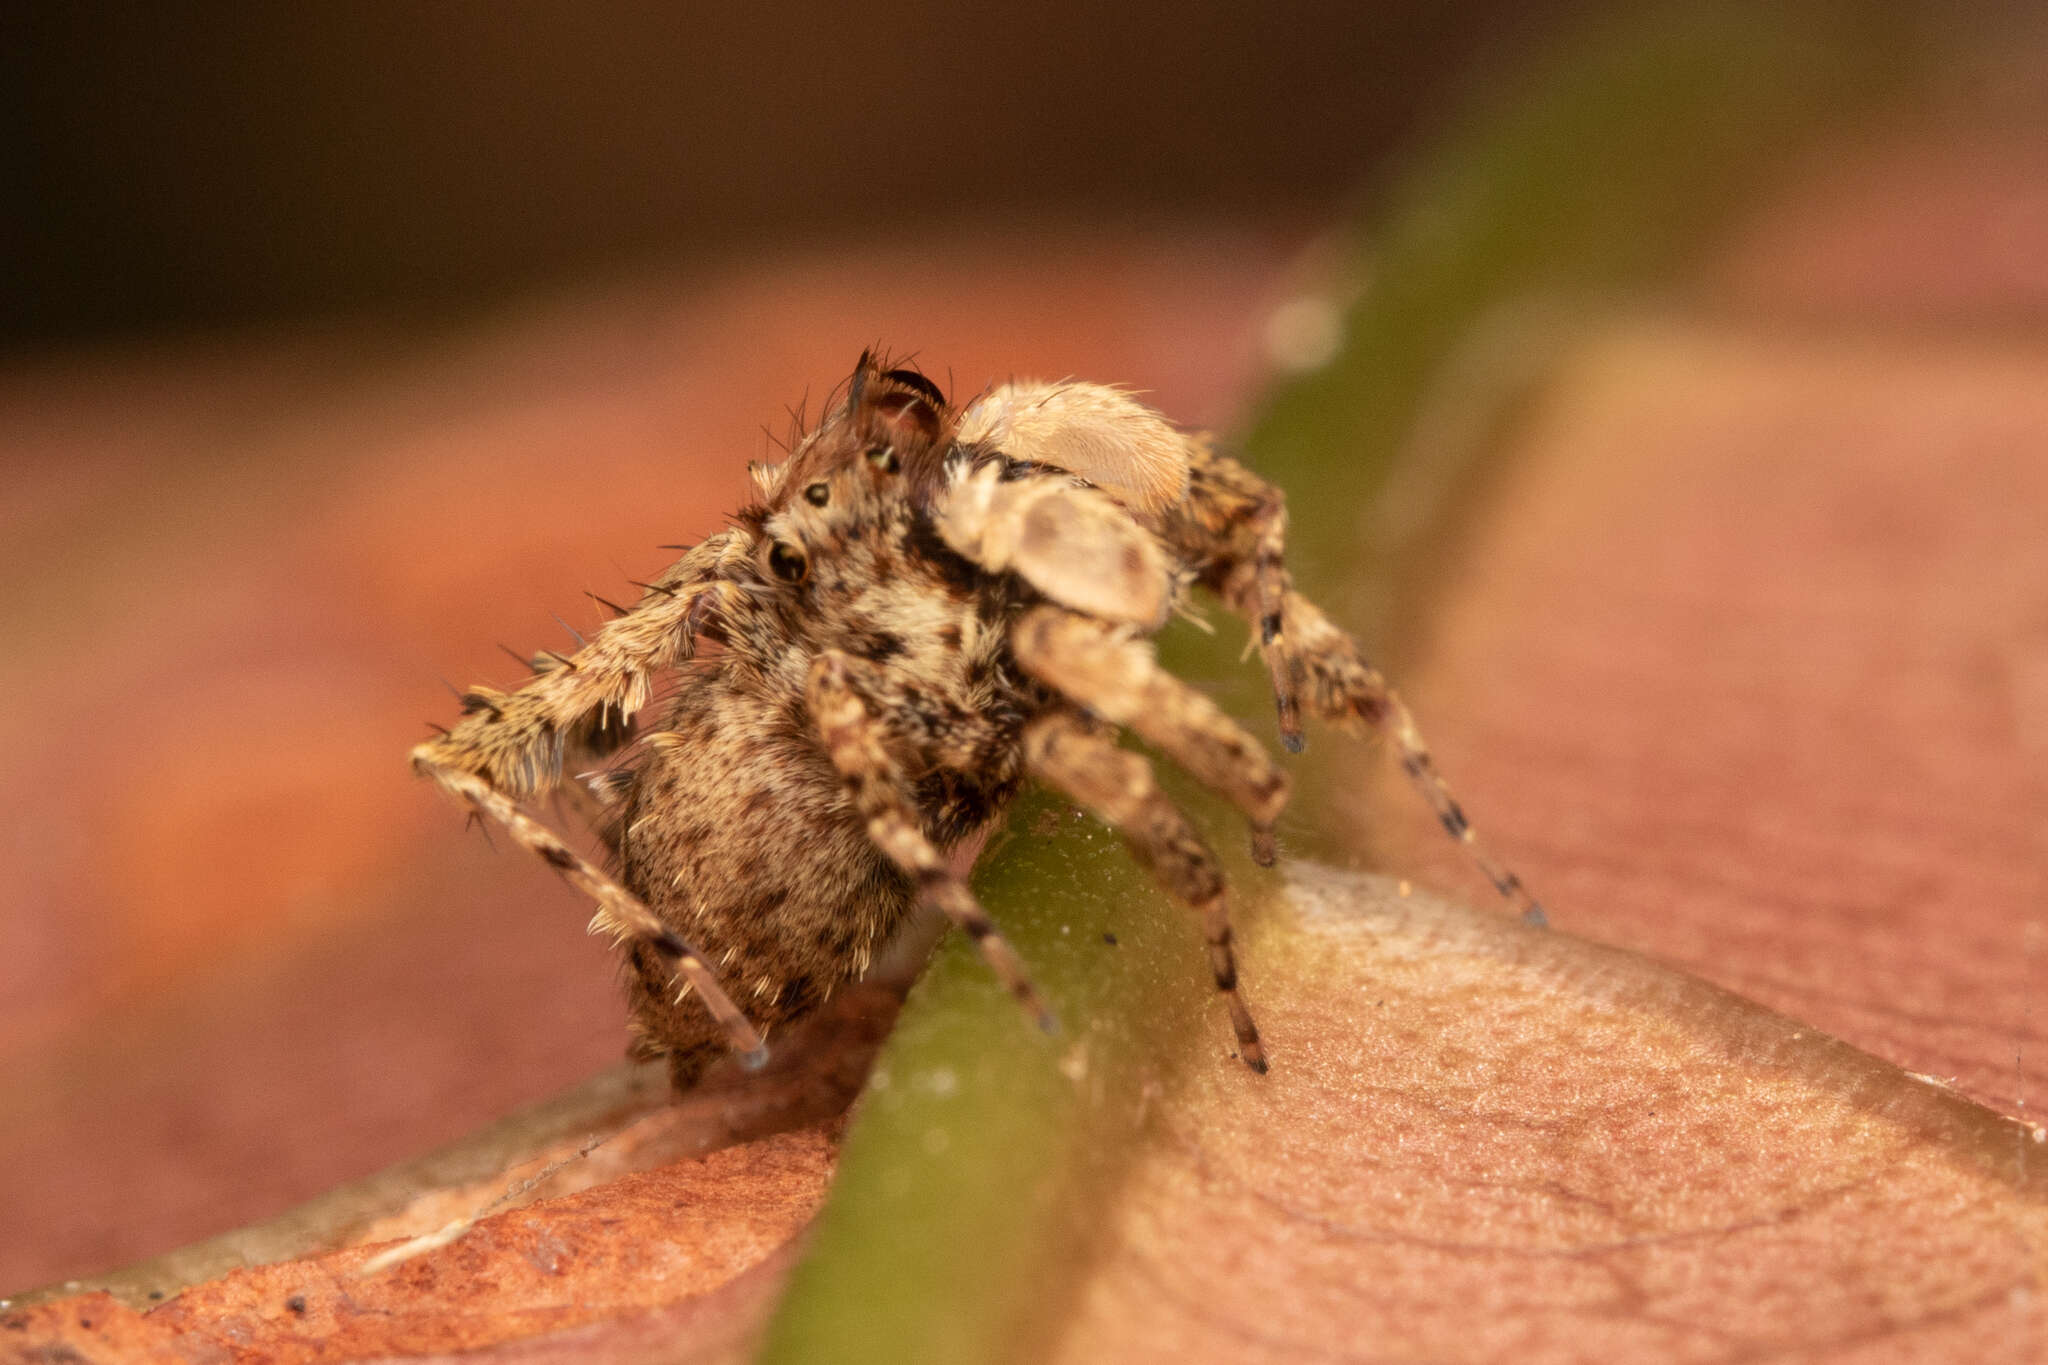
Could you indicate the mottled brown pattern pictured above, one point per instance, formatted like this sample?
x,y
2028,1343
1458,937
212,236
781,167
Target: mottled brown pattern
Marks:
x,y
918,587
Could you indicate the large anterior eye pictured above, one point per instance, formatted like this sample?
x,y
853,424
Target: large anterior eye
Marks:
x,y
787,562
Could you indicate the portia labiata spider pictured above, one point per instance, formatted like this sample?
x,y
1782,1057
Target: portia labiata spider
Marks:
x,y
927,605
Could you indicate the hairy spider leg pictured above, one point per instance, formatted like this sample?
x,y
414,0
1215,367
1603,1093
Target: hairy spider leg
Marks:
x,y
1104,668
619,910
511,745
1341,686
1119,788
1231,525
854,738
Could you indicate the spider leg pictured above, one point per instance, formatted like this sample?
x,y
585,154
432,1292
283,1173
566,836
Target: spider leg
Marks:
x,y
1343,687
1118,786
1233,524
1258,593
1113,674
583,704
510,746
1231,528
619,910
854,738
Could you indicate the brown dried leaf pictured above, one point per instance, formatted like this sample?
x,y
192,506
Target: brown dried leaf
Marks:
x,y
689,1256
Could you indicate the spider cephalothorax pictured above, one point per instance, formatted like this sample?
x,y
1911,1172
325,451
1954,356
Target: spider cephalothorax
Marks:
x,y
927,606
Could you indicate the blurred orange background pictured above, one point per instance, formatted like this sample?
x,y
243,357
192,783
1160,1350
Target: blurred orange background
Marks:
x,y
348,347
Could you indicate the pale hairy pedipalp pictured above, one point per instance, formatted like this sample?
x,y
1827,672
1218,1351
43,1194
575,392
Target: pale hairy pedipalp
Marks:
x,y
1068,540
1103,434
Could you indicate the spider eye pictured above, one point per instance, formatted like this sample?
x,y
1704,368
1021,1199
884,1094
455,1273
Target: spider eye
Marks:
x,y
787,562
884,459
817,495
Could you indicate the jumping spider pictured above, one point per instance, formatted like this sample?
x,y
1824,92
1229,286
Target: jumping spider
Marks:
x,y
927,605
